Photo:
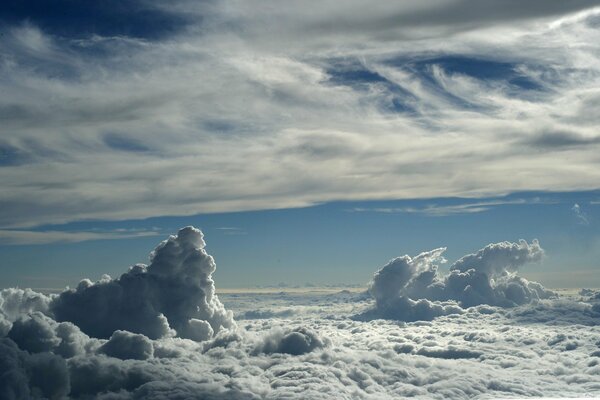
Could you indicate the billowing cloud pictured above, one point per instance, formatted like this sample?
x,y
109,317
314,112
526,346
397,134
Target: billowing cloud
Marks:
x,y
15,302
31,376
173,295
411,288
500,259
319,350
295,342
126,345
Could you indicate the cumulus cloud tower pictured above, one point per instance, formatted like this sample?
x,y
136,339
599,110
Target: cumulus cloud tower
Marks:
x,y
488,276
173,295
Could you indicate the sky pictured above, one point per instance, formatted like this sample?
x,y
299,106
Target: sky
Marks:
x,y
311,142
265,199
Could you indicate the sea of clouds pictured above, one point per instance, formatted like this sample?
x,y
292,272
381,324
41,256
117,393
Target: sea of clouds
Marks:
x,y
160,331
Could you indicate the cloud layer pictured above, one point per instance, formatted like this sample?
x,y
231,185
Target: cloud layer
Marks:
x,y
173,295
237,106
180,342
411,289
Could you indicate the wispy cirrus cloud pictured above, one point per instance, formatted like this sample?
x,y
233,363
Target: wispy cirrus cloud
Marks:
x,y
235,110
20,237
581,216
439,210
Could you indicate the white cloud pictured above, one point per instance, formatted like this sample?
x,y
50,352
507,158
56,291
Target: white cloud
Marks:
x,y
410,288
173,295
548,348
263,107
46,237
436,210
292,341
581,216
126,345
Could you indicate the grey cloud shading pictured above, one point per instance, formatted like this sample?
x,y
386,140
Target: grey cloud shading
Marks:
x,y
264,314
31,376
295,341
34,334
411,289
174,294
465,13
121,142
126,345
405,309
94,375
561,140
448,353
38,333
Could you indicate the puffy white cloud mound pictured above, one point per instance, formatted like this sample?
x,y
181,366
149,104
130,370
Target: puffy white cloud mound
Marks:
x,y
309,345
500,259
296,341
173,295
128,346
411,289
402,274
405,309
15,302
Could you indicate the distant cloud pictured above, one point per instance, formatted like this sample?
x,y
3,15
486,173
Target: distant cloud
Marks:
x,y
566,140
173,295
304,345
581,216
435,210
410,288
21,237
292,341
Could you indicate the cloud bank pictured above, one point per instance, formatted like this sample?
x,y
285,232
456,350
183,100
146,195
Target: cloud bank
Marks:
x,y
180,341
411,289
347,103
173,295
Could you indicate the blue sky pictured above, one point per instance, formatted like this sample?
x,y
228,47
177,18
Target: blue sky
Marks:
x,y
311,142
336,243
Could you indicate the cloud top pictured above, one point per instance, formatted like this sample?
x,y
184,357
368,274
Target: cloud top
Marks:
x,y
500,259
173,295
412,289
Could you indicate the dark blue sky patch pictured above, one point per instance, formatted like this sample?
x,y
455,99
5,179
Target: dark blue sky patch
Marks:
x,y
485,70
12,156
78,18
482,69
350,77
119,142
359,77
